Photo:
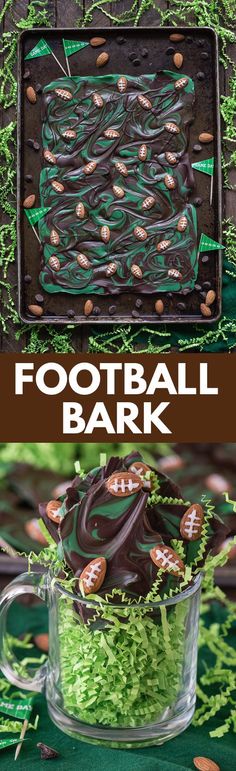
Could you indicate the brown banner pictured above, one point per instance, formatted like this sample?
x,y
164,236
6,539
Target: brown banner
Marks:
x,y
106,398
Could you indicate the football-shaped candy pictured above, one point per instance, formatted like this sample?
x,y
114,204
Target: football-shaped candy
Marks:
x,y
83,261
174,273
54,237
141,469
144,102
122,168
69,134
49,157
111,133
63,93
57,186
172,128
97,100
54,262
181,83
80,210
118,191
123,483
111,269
163,245
136,271
148,202
170,158
142,152
182,224
93,575
166,558
191,523
105,233
140,233
170,182
52,511
90,167
122,85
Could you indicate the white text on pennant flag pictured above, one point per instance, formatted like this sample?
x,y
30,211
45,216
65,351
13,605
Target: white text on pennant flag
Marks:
x,y
72,46
208,245
41,49
206,167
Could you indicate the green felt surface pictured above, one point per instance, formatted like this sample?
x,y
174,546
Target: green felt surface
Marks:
x,y
176,755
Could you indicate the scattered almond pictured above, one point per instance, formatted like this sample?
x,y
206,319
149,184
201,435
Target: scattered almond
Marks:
x,y
205,310
36,310
102,59
88,307
176,37
205,138
159,307
41,642
31,95
29,201
210,298
205,764
97,41
33,530
178,60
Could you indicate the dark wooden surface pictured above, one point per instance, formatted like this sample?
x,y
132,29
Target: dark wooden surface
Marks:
x,y
67,13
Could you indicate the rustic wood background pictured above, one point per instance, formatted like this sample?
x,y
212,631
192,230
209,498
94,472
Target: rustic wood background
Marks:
x,y
66,13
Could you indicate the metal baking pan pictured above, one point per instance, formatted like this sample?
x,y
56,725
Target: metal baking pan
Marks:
x,y
154,52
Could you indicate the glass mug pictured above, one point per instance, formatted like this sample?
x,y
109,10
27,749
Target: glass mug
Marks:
x,y
122,675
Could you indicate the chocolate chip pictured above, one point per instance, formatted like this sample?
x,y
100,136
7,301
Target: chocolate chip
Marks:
x,y
197,201
38,88
28,178
197,148
189,39
132,56
205,258
206,285
170,51
136,62
198,287
26,75
47,753
27,279
138,303
36,146
201,75
144,53
70,313
200,43
135,314
112,310
39,298
30,142
204,55
181,306
170,295
203,295
186,291
96,310
120,40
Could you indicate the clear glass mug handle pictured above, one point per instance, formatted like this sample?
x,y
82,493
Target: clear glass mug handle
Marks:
x,y
27,583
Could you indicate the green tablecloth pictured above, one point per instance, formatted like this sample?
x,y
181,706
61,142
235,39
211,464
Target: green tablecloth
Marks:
x,y
176,755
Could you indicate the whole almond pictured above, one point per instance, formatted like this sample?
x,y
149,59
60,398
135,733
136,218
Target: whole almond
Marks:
x,y
176,37
88,307
97,41
52,510
205,310
102,59
159,307
210,298
36,310
205,764
178,60
31,95
42,641
33,530
29,201
205,138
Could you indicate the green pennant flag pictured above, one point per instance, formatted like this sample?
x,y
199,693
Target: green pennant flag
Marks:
x,y
19,709
8,742
207,166
72,46
41,49
34,215
208,245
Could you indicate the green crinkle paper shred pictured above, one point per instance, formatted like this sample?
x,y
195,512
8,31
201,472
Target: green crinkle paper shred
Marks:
x,y
221,335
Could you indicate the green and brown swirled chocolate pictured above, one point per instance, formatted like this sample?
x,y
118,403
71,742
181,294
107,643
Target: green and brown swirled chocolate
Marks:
x,y
117,178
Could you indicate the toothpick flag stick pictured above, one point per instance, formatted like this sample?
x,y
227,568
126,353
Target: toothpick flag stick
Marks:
x,y
71,47
22,736
34,215
208,245
206,167
43,49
